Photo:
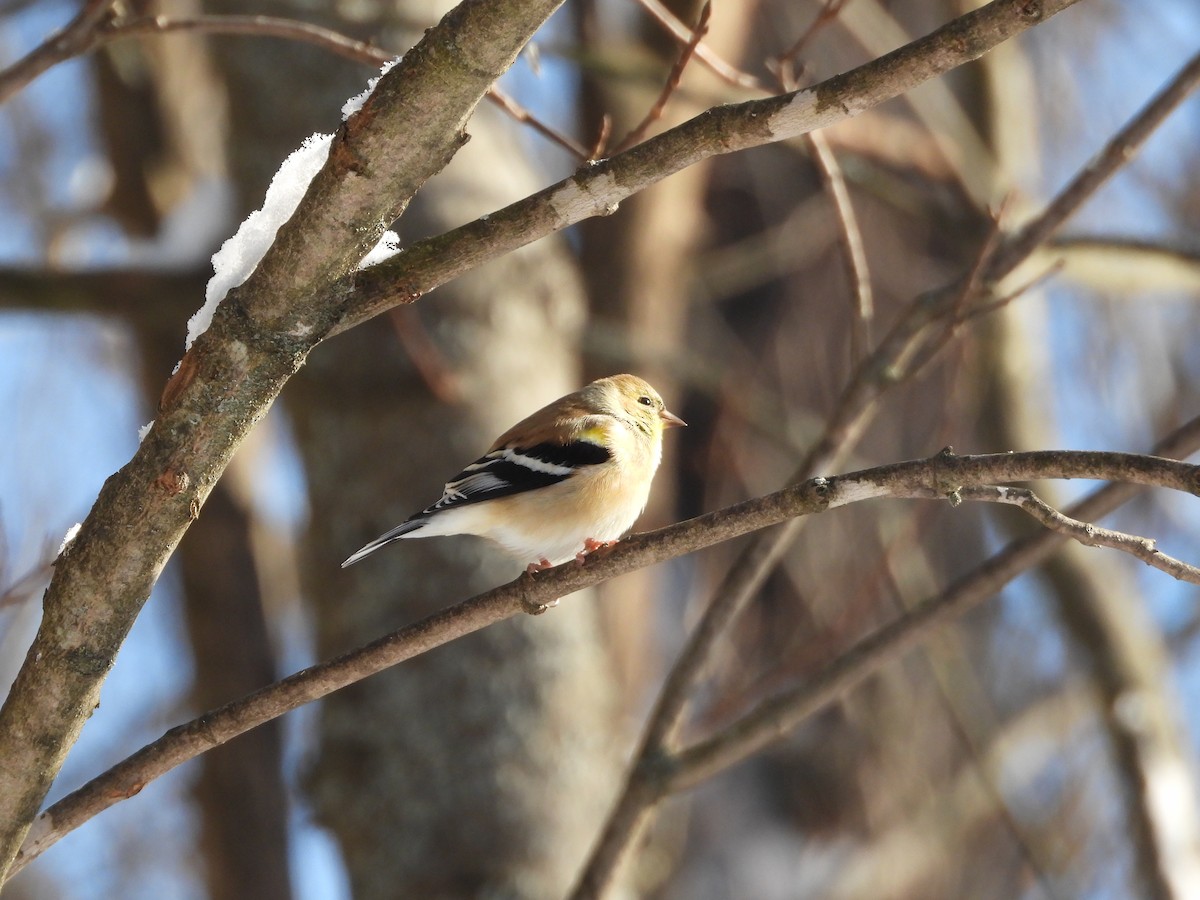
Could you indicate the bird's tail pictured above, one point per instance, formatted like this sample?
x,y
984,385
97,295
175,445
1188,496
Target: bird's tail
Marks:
x,y
401,530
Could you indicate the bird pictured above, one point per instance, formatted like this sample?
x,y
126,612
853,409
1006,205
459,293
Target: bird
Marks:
x,y
567,481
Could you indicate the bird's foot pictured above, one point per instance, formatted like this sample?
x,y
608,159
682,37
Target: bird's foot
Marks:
x,y
591,546
534,567
530,606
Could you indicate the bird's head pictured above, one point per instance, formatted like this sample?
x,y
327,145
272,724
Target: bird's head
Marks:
x,y
633,398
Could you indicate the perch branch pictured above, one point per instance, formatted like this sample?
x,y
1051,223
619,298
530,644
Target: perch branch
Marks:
x,y
941,477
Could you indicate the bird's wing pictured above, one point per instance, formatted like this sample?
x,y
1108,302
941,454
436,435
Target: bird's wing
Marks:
x,y
513,470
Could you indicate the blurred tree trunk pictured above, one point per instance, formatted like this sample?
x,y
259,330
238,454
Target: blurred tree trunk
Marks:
x,y
479,769
240,791
162,116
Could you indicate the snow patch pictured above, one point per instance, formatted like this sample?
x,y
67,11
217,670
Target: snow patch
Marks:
x,y
388,246
69,538
241,254
354,104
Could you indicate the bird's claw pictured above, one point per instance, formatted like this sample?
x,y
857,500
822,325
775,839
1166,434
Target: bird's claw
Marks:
x,y
592,546
535,567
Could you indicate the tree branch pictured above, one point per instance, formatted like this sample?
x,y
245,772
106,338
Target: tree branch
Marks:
x,y
1113,156
598,189
408,129
944,476
63,44
92,29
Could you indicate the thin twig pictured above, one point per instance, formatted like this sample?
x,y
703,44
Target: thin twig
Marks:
x,y
705,54
854,253
600,145
672,84
998,303
502,99
783,65
325,38
250,26
73,39
973,286
1084,532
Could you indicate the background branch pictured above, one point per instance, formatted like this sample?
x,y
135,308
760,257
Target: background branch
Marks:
x,y
94,28
70,41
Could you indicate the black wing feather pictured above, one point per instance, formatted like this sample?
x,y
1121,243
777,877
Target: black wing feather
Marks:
x,y
576,453
509,471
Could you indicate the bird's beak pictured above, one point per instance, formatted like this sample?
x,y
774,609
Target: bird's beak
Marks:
x,y
670,419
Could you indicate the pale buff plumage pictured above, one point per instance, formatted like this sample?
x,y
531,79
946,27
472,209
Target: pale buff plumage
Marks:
x,y
596,451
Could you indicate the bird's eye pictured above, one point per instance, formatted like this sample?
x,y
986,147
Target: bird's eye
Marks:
x,y
645,401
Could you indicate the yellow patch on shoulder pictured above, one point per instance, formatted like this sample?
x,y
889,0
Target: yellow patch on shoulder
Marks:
x,y
594,434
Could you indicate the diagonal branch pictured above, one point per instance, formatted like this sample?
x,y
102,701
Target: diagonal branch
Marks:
x,y
1118,151
407,130
940,477
599,189
72,40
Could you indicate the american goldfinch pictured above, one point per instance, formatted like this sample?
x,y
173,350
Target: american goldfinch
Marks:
x,y
568,480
